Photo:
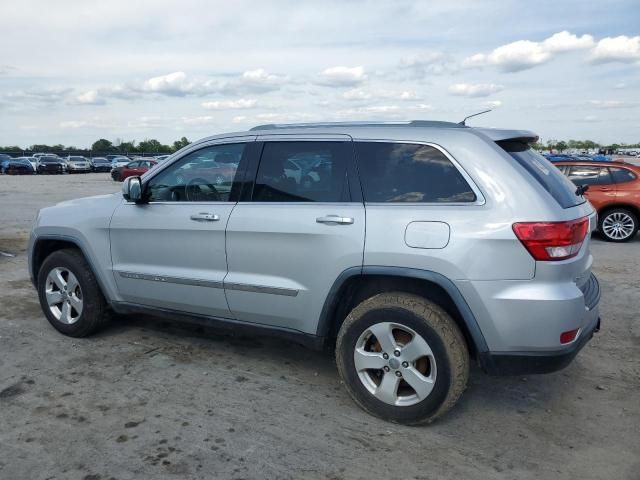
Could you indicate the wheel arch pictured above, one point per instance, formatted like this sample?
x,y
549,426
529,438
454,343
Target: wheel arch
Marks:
x,y
46,245
614,206
356,284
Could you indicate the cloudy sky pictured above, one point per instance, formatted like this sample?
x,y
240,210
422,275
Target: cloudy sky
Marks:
x,y
75,71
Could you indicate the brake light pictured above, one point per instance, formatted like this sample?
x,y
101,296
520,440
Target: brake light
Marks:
x,y
552,241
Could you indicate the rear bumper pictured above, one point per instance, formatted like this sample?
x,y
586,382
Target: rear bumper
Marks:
x,y
546,361
529,363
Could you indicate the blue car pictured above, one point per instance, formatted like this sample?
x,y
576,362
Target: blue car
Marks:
x,y
557,157
15,166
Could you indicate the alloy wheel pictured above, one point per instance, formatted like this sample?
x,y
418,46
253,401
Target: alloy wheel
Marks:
x,y
618,226
64,295
395,364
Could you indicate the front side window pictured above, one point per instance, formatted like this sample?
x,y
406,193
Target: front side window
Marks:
x,y
205,175
302,172
403,172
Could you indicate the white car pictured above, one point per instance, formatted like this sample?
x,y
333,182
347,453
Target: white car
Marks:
x,y
118,162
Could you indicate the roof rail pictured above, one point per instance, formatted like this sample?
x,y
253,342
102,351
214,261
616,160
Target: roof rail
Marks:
x,y
407,123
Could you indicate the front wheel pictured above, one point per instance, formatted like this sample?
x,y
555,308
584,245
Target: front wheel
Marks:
x,y
402,358
69,294
618,225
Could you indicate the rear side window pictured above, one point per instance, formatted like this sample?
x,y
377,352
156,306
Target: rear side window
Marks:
x,y
622,175
589,175
403,172
544,172
303,172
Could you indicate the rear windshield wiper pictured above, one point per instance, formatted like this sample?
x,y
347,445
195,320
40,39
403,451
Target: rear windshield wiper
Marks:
x,y
581,190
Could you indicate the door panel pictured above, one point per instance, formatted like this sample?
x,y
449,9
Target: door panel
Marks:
x,y
163,258
282,262
170,252
294,234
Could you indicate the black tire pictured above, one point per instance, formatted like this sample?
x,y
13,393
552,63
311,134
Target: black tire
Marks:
x,y
435,326
609,213
94,310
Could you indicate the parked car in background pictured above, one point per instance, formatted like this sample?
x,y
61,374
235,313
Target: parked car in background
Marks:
x,y
51,164
77,164
100,164
135,168
161,158
557,157
33,161
614,191
119,161
15,166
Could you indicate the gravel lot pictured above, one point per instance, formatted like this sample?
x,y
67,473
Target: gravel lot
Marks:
x,y
150,399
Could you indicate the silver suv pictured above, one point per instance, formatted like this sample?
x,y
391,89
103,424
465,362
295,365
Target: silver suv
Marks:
x,y
411,248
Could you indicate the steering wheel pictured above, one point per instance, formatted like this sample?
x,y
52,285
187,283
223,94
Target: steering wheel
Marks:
x,y
193,192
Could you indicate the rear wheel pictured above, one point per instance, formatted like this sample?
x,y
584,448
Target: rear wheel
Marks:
x,y
69,294
402,358
618,225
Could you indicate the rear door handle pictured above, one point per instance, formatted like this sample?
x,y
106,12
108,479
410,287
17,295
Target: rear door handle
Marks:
x,y
335,220
205,217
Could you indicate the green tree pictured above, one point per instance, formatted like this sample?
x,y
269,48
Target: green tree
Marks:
x,y
561,146
102,145
178,144
153,146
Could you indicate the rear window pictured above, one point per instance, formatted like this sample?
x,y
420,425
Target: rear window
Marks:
x,y
544,172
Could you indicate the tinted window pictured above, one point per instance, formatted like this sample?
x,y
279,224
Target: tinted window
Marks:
x,y
402,172
302,172
622,175
588,175
544,172
205,175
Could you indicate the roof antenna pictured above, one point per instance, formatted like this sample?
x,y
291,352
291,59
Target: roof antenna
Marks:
x,y
474,115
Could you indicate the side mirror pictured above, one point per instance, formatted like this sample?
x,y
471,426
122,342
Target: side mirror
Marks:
x,y
132,189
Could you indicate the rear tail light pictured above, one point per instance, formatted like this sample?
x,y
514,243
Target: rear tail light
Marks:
x,y
552,241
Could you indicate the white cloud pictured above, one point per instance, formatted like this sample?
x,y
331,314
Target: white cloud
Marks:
x,y
202,120
525,54
230,104
429,63
178,84
617,49
343,76
360,94
492,104
356,94
381,109
73,124
474,90
90,97
610,104
566,42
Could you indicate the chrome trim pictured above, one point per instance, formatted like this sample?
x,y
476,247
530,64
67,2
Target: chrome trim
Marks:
x,y
176,280
239,287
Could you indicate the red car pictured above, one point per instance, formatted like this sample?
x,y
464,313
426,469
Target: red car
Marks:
x,y
614,191
132,169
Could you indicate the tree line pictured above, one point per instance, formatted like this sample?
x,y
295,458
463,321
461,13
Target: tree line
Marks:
x,y
105,147
562,145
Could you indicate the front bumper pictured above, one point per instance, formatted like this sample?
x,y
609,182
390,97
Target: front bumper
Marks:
x,y
546,361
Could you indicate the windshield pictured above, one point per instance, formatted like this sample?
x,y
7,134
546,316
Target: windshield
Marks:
x,y
545,173
48,160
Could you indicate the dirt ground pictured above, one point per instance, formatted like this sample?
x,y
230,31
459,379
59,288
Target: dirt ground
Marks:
x,y
150,399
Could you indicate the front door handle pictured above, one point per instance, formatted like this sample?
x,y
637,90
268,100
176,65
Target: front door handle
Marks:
x,y
335,220
205,217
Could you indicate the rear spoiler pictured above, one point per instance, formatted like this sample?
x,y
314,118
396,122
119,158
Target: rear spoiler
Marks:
x,y
500,135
